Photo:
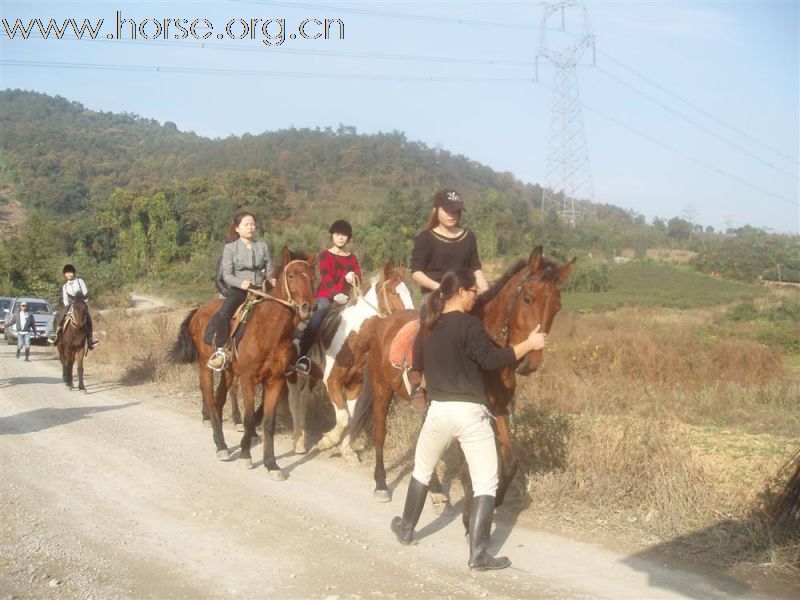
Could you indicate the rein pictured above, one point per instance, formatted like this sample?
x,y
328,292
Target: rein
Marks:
x,y
380,291
291,303
501,339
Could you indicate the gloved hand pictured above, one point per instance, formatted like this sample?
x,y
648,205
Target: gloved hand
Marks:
x,y
350,278
340,298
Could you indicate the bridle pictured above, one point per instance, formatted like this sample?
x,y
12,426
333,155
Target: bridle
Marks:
x,y
501,338
291,302
381,292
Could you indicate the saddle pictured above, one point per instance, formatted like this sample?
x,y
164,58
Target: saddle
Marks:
x,y
239,324
401,350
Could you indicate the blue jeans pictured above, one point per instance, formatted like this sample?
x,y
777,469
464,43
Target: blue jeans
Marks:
x,y
310,333
23,340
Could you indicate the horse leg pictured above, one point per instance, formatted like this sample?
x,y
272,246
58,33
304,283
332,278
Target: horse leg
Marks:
x,y
233,393
336,394
79,359
273,389
381,399
298,403
68,373
210,401
506,457
249,392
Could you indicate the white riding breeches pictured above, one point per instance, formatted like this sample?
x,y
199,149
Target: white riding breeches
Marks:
x,y
470,424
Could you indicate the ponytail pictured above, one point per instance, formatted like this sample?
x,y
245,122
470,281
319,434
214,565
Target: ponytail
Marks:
x,y
451,282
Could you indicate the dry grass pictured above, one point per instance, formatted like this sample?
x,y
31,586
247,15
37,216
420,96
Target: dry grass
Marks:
x,y
640,424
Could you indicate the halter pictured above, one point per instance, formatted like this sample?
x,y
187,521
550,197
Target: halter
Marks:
x,y
380,289
501,339
291,302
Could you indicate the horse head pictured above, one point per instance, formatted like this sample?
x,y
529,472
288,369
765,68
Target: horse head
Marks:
x,y
538,303
527,296
297,282
78,307
391,290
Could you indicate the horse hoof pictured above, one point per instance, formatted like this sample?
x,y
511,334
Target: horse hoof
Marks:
x,y
238,427
382,495
324,444
351,458
276,475
206,423
300,448
247,463
223,454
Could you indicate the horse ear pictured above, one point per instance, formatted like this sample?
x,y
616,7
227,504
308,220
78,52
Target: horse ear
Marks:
x,y
287,255
312,259
564,271
387,270
535,259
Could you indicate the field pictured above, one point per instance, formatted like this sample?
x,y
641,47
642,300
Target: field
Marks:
x,y
663,417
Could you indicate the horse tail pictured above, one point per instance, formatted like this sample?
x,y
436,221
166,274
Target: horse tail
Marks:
x,y
184,351
362,412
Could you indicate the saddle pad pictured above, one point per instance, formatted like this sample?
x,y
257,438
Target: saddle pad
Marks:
x,y
401,351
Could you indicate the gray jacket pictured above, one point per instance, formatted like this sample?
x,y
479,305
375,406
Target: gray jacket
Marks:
x,y
240,264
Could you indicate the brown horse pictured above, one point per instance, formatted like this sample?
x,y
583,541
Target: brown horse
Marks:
x,y
336,361
263,355
526,296
72,344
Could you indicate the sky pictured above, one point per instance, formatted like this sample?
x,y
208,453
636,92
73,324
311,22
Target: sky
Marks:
x,y
690,109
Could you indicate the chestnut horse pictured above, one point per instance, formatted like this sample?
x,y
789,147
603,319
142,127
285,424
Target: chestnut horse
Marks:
x,y
72,344
336,361
526,296
263,355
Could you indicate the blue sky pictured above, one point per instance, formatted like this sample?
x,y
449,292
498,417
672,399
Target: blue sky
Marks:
x,y
691,110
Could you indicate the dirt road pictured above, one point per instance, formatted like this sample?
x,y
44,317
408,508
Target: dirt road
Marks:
x,y
110,495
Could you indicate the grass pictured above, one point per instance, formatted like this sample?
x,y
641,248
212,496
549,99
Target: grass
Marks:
x,y
666,426
648,284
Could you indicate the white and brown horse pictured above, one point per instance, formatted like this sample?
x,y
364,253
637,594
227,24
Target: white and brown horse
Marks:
x,y
338,361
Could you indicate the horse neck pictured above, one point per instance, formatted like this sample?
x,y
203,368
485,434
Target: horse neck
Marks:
x,y
494,312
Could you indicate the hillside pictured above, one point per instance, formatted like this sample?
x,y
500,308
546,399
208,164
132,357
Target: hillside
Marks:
x,y
134,200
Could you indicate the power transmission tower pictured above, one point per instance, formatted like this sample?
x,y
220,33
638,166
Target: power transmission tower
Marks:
x,y
568,186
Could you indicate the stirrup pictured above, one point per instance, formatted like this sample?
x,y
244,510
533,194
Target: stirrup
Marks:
x,y
217,361
303,365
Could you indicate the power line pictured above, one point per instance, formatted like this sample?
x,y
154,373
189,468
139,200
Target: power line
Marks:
x,y
362,76
457,21
698,109
688,156
698,125
391,15
258,72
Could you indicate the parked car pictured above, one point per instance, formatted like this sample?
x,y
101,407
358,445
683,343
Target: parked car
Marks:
x,y
42,313
5,306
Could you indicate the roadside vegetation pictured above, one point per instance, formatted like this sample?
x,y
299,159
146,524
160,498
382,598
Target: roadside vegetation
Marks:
x,y
667,428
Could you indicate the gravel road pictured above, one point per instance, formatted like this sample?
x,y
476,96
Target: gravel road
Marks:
x,y
109,494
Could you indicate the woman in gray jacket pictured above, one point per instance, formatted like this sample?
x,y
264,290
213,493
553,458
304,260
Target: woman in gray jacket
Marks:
x,y
246,263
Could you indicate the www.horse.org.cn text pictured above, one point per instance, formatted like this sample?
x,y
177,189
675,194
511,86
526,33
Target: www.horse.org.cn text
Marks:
x,y
269,31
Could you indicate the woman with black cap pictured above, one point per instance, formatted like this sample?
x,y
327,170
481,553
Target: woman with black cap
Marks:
x,y
338,270
445,244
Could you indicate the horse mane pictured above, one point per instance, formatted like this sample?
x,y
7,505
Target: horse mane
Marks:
x,y
549,273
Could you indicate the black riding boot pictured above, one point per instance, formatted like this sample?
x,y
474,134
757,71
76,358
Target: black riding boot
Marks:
x,y
27,354
480,525
403,527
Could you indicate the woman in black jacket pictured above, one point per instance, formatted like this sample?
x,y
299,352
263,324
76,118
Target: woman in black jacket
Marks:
x,y
455,351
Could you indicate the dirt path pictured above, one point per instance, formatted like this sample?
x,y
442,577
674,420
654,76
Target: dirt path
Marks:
x,y
108,495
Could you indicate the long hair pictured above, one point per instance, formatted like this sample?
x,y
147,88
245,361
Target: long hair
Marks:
x,y
433,222
237,218
451,282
